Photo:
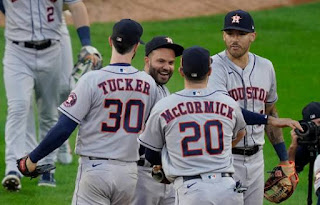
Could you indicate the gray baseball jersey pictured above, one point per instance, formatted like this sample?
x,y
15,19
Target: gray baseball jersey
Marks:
x,y
251,87
148,190
34,21
194,128
111,106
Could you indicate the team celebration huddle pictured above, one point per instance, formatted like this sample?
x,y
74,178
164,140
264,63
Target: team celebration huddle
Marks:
x,y
137,143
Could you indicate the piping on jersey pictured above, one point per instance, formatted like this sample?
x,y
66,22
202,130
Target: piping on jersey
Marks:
x,y
244,93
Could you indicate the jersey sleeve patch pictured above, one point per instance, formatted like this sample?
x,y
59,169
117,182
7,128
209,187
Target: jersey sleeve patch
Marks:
x,y
72,99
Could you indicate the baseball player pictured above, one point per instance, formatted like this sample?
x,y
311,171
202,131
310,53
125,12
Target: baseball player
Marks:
x,y
31,61
64,155
110,105
160,54
194,129
250,80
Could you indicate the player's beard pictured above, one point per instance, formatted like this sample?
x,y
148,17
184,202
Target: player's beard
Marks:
x,y
237,51
155,73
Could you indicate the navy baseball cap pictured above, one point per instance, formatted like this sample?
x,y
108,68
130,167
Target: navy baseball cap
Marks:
x,y
195,61
163,42
311,111
127,32
238,20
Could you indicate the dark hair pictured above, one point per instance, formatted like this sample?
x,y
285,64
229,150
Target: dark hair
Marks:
x,y
122,48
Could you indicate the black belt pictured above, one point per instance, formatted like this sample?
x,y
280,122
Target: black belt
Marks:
x,y
98,158
38,45
187,178
248,151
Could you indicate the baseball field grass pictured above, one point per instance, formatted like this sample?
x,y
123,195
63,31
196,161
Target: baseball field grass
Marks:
x,y
289,37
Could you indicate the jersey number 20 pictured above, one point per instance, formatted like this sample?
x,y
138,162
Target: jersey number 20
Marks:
x,y
197,135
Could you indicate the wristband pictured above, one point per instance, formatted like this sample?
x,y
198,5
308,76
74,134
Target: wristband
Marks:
x,y
253,118
281,151
84,35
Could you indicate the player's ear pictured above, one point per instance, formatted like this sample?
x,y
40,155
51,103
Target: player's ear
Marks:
x,y
210,71
146,60
253,36
224,35
181,72
110,41
146,63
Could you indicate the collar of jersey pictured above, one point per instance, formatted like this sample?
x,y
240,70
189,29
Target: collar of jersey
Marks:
x,y
120,64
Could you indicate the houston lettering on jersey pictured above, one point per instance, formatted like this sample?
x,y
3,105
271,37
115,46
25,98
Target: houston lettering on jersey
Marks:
x,y
251,93
186,108
124,84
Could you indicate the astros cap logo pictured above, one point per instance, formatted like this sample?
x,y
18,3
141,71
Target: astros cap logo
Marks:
x,y
169,40
236,19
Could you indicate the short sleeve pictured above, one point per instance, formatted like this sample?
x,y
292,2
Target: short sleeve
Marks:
x,y
79,101
153,137
272,95
218,77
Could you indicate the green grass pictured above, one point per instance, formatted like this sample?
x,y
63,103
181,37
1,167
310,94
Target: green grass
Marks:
x,y
289,37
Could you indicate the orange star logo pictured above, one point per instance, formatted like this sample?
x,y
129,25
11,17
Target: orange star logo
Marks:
x,y
236,19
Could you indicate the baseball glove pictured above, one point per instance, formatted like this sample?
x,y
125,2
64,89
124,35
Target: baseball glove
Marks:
x,y
84,63
41,169
281,184
159,176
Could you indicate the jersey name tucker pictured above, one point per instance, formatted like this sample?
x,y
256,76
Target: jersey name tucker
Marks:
x,y
124,84
250,93
195,107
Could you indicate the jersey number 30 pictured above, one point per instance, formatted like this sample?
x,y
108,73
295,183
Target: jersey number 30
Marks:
x,y
118,115
185,142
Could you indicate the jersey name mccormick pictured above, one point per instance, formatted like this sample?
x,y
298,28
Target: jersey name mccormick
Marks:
x,y
248,93
195,107
125,84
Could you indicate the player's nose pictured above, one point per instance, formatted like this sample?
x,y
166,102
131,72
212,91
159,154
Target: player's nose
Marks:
x,y
166,66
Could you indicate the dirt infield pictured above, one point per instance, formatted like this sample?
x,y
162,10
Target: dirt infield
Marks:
x,y
142,10
146,10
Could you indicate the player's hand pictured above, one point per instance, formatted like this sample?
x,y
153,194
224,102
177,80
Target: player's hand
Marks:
x,y
94,59
284,122
294,138
25,165
30,165
30,169
293,146
158,174
156,168
91,53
